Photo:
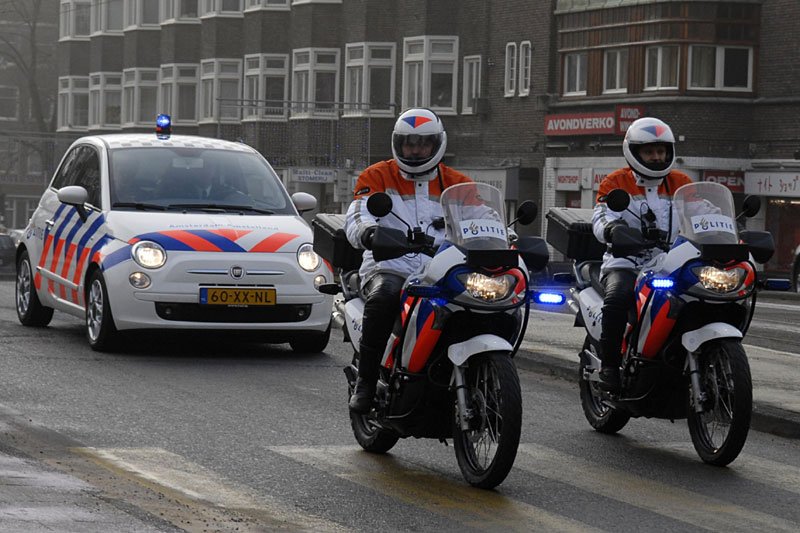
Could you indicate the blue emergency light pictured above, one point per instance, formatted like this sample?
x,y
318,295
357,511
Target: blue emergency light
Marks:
x,y
163,126
662,283
548,298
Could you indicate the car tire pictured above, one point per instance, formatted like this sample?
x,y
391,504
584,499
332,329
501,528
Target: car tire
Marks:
x,y
311,342
100,329
30,310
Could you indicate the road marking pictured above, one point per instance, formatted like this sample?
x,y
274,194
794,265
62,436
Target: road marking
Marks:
x,y
173,473
693,508
416,485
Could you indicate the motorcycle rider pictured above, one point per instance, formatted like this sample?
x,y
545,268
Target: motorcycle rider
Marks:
x,y
414,179
649,149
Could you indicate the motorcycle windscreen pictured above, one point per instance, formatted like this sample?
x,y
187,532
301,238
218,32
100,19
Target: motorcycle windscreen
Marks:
x,y
475,218
705,214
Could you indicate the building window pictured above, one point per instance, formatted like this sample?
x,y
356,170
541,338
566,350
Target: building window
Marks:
x,y
661,68
178,93
575,74
369,79
139,97
105,100
73,103
106,16
173,10
76,19
266,86
724,68
430,69
220,7
221,88
510,77
615,71
472,84
315,81
9,103
141,14
525,58
282,5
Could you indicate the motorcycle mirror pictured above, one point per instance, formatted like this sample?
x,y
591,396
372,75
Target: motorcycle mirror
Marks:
x,y
618,200
379,204
527,212
751,206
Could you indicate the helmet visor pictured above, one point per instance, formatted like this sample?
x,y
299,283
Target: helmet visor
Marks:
x,y
416,150
644,155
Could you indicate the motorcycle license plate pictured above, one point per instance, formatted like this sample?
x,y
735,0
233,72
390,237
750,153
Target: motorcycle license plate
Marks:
x,y
237,297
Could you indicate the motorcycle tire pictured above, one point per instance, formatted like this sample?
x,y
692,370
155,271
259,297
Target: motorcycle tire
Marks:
x,y
725,379
486,452
368,433
602,417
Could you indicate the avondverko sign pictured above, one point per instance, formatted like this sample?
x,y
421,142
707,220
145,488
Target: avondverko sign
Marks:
x,y
580,123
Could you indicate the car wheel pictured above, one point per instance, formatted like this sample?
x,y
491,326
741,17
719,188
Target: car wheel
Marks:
x,y
311,342
100,330
30,310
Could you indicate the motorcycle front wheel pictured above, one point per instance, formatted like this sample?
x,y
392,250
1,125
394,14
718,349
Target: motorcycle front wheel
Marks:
x,y
486,451
720,430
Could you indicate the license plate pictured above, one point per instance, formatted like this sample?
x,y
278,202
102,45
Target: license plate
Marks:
x,y
237,297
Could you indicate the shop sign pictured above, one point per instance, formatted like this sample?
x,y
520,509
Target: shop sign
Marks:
x,y
568,179
598,175
786,184
626,114
314,175
494,177
579,123
732,179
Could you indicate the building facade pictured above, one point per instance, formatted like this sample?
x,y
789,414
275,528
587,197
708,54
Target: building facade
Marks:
x,y
535,96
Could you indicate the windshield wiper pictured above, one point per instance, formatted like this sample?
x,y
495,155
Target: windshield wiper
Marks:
x,y
140,206
222,207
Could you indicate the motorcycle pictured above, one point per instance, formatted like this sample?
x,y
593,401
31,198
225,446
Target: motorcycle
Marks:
x,y
448,369
682,350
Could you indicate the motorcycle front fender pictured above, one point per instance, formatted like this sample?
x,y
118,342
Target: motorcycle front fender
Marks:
x,y
692,340
460,352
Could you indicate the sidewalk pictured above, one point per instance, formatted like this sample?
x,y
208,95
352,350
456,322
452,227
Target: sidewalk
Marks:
x,y
552,343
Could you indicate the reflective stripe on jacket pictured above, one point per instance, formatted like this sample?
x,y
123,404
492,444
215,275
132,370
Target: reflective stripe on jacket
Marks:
x,y
642,194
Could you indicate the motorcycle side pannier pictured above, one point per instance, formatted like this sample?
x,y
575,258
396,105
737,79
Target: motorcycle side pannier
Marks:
x,y
569,230
331,243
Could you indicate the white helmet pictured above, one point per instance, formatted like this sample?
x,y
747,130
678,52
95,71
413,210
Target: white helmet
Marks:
x,y
419,126
643,131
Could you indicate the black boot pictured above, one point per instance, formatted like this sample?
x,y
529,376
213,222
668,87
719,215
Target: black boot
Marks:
x,y
609,371
368,363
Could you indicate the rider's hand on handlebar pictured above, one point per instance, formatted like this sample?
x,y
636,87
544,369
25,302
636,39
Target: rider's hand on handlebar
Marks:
x,y
610,227
366,237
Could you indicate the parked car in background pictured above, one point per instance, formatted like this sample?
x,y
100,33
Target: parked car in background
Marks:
x,y
139,232
7,253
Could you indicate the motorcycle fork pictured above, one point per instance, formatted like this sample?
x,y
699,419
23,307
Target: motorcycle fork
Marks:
x,y
464,412
698,394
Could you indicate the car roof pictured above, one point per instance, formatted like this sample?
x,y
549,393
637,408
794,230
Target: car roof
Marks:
x,y
148,140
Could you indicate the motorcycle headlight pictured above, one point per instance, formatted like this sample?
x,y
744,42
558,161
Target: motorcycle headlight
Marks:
x,y
149,254
307,258
488,288
718,280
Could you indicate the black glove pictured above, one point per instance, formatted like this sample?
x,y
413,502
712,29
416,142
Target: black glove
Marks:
x,y
366,237
610,227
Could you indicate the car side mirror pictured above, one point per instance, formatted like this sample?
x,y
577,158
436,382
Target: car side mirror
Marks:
x,y
76,196
304,201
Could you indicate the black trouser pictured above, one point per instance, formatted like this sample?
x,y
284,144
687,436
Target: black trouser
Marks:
x,y
382,293
618,300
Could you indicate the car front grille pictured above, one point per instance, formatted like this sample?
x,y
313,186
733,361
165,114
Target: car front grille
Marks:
x,y
249,315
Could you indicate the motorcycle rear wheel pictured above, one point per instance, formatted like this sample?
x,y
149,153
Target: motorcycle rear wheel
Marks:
x,y
368,432
486,452
720,431
601,416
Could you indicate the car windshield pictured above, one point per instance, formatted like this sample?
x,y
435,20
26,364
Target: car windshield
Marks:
x,y
166,178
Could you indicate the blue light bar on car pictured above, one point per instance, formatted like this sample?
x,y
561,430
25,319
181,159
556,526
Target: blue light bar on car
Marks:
x,y
662,283
163,125
548,298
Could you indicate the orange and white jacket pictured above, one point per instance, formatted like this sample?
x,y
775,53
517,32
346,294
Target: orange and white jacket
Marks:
x,y
415,202
659,199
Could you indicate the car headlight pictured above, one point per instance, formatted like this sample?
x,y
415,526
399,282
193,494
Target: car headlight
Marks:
x,y
149,254
307,258
488,288
718,280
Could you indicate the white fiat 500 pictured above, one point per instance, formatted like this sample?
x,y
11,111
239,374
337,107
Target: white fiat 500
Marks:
x,y
139,231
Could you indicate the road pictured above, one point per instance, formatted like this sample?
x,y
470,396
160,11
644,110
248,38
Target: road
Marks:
x,y
204,433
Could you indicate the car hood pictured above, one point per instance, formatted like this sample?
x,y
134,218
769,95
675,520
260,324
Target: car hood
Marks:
x,y
204,232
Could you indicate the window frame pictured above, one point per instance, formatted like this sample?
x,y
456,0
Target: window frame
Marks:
x,y
261,73
213,8
619,53
422,64
257,5
525,59
307,103
67,27
170,12
15,96
580,75
216,76
68,88
100,14
172,81
510,73
471,83
659,85
719,68
98,99
366,63
134,9
132,81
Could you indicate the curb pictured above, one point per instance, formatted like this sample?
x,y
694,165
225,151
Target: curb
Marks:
x,y
765,418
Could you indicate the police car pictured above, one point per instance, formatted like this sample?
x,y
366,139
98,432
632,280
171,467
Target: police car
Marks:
x,y
159,231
